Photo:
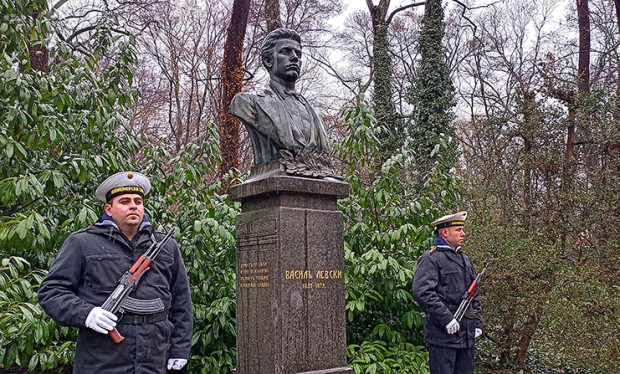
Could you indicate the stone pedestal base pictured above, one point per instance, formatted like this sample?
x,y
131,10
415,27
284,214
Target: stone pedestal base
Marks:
x,y
343,370
290,276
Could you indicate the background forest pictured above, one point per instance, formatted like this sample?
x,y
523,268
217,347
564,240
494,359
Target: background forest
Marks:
x,y
508,109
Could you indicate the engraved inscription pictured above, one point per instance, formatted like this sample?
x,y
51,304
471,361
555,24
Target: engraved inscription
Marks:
x,y
297,274
254,274
312,285
315,275
329,274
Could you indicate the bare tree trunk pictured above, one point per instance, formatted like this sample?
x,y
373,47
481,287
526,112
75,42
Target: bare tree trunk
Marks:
x,y
528,330
232,83
527,179
583,85
507,323
39,55
583,16
272,14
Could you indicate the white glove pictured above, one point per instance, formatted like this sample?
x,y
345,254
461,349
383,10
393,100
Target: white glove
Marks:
x,y
101,320
453,327
176,363
478,333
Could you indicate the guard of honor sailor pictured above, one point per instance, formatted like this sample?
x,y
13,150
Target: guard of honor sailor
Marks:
x,y
441,278
86,271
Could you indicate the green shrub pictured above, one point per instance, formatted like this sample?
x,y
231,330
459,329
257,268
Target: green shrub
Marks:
x,y
61,133
27,335
387,227
379,357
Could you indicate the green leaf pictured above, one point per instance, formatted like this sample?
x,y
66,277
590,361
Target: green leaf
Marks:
x,y
32,364
22,229
11,354
8,150
197,225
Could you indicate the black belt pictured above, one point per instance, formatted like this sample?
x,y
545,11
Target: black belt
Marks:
x,y
470,313
139,319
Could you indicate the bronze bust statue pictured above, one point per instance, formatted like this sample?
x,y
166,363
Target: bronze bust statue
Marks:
x,y
280,122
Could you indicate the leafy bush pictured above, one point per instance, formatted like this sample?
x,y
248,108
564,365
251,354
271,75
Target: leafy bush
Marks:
x,y
62,132
387,227
379,357
548,229
27,335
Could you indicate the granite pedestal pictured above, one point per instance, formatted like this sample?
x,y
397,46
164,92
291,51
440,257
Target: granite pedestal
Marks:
x,y
290,274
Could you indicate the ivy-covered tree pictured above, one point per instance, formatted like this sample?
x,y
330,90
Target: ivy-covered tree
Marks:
x,y
391,135
432,93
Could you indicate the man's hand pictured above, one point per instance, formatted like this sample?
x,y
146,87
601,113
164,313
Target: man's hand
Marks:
x,y
176,363
453,327
101,320
478,333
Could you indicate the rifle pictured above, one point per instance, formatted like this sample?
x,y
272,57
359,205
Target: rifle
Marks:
x,y
128,282
468,296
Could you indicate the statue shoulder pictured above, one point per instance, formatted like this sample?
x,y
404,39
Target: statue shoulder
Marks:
x,y
244,97
243,104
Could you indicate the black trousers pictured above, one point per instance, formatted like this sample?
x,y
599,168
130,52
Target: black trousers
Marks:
x,y
444,360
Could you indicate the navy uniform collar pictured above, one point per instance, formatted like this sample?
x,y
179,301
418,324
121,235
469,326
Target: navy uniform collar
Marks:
x,y
441,244
106,220
107,226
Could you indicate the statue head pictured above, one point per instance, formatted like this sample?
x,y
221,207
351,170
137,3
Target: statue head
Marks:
x,y
281,54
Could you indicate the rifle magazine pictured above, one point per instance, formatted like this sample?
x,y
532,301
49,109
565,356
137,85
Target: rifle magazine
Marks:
x,y
137,306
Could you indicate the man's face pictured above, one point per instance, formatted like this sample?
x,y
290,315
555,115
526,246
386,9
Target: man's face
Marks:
x,y
286,60
454,236
126,210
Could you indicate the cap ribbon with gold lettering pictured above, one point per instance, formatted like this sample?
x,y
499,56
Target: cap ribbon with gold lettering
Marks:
x,y
457,219
121,183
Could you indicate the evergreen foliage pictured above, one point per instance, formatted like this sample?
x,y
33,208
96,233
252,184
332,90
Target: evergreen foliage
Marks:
x,y
432,93
29,337
183,197
61,133
387,227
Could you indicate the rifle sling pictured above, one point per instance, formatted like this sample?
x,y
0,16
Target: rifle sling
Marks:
x,y
470,312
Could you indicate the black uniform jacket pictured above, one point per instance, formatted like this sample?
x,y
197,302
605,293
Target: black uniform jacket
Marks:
x,y
441,278
84,274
